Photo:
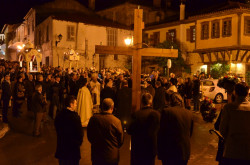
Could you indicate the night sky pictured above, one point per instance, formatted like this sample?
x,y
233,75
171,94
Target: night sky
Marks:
x,y
13,11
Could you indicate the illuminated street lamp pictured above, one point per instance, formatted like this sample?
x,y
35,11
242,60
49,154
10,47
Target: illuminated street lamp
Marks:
x,y
128,41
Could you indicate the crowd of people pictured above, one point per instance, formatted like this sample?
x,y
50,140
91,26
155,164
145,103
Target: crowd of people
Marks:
x,y
102,102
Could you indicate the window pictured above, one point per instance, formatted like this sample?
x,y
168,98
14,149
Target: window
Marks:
x,y
111,37
47,33
215,29
208,83
70,33
204,30
171,35
192,34
227,27
247,26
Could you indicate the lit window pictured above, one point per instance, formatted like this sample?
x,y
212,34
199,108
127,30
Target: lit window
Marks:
x,y
192,34
171,35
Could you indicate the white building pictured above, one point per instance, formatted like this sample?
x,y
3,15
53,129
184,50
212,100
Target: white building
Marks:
x,y
80,33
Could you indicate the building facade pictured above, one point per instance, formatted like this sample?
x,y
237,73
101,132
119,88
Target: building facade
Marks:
x,y
205,39
81,36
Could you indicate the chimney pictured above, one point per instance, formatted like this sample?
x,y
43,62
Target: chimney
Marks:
x,y
92,4
157,3
182,11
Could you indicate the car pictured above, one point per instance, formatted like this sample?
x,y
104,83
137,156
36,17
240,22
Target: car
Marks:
x,y
210,89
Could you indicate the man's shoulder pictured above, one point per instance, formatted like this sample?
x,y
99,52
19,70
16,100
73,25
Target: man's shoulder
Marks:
x,y
176,110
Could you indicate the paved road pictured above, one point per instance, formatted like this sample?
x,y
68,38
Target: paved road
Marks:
x,y
18,147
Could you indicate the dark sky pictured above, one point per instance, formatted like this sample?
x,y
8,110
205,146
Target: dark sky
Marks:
x,y
12,11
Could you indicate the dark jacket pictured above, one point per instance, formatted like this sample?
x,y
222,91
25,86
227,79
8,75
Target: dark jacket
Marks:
x,y
56,93
143,130
69,135
188,90
29,88
6,90
181,90
73,88
196,87
159,99
105,134
38,102
176,128
107,92
124,103
234,127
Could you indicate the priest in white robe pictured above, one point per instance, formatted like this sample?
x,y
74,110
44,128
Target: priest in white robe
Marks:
x,y
84,103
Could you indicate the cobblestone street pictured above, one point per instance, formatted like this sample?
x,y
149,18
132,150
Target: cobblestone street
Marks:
x,y
18,146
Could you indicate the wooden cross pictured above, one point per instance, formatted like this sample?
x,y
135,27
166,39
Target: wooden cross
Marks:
x,y
136,52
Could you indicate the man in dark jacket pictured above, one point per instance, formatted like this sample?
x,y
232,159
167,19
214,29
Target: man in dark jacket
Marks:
x,y
69,134
176,128
143,130
38,106
73,85
159,99
124,103
108,91
196,93
29,86
234,127
105,134
56,96
6,96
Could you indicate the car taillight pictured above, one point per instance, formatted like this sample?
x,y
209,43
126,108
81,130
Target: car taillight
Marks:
x,y
211,89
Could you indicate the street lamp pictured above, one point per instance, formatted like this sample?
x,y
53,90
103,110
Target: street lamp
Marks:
x,y
128,41
57,41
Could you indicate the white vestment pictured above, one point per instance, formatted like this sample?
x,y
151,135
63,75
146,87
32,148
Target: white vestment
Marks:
x,y
84,105
96,88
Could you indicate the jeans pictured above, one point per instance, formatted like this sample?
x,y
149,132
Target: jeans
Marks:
x,y
68,162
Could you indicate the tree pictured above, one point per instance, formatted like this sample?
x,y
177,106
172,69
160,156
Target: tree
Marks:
x,y
178,64
218,70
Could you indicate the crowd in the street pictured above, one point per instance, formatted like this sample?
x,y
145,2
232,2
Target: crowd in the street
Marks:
x,y
102,102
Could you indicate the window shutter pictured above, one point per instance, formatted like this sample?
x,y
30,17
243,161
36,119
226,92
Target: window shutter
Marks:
x,y
188,33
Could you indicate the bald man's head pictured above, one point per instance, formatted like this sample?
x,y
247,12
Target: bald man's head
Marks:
x,y
107,104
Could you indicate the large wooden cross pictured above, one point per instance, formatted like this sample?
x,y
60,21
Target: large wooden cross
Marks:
x,y
136,52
